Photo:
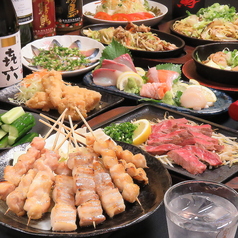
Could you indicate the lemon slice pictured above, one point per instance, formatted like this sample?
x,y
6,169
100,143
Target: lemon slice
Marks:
x,y
193,82
123,79
140,71
142,132
208,93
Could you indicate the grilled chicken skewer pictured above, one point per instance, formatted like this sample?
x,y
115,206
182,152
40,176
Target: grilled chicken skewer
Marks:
x,y
13,174
111,198
63,215
89,208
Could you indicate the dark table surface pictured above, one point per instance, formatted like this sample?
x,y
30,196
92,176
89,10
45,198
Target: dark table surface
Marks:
x,y
155,225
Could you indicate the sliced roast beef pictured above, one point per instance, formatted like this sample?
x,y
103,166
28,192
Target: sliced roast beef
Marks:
x,y
210,157
180,137
187,160
161,149
208,145
166,126
205,129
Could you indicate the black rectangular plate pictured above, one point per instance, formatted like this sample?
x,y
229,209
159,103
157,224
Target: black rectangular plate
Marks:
x,y
152,112
107,102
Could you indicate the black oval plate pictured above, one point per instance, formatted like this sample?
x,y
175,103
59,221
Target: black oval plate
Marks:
x,y
151,197
148,54
221,105
192,41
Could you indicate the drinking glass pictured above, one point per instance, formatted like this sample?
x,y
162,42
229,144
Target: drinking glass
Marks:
x,y
201,209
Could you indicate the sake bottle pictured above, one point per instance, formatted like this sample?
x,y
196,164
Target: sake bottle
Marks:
x,y
69,16
10,45
24,13
43,18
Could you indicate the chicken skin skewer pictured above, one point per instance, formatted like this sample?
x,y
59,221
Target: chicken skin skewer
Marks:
x,y
121,179
89,208
63,215
111,198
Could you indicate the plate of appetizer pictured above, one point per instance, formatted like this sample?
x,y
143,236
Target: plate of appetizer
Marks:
x,y
45,92
140,39
190,72
218,62
174,136
125,209
160,84
19,126
207,25
137,11
70,55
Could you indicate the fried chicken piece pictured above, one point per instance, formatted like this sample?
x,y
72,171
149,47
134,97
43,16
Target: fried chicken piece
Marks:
x,y
53,85
40,100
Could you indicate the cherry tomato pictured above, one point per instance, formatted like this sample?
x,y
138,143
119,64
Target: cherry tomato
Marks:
x,y
103,16
121,17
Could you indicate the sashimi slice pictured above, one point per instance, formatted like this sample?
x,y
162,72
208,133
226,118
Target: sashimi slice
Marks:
x,y
126,60
161,76
106,77
111,64
154,90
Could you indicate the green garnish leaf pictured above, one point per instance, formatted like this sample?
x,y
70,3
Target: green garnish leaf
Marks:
x,y
170,66
114,50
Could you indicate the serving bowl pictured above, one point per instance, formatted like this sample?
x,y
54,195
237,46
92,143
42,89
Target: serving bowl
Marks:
x,y
193,41
202,52
84,44
142,53
91,7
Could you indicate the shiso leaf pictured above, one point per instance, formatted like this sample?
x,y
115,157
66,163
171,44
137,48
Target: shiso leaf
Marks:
x,y
170,66
114,50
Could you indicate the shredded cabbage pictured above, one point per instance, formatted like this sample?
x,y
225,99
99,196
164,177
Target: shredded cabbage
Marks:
x,y
28,87
122,6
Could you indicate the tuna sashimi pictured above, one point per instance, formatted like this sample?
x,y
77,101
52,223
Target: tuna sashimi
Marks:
x,y
211,158
106,77
154,90
162,76
112,64
187,160
126,60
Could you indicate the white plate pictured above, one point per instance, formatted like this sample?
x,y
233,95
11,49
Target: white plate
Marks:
x,y
91,7
66,40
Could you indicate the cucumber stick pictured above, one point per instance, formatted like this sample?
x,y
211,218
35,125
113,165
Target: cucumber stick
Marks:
x,y
26,138
13,114
4,142
2,133
20,127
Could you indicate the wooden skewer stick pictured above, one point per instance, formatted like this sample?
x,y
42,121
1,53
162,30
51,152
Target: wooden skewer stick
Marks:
x,y
62,142
85,122
7,211
73,133
62,132
52,128
29,220
58,133
65,127
137,199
